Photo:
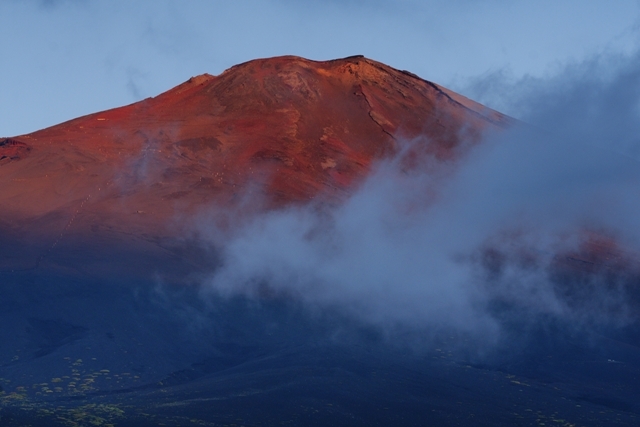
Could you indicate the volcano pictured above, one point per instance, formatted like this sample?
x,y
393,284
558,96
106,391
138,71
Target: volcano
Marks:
x,y
103,322
277,131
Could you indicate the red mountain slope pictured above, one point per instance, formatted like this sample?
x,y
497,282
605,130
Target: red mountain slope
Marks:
x,y
262,134
288,128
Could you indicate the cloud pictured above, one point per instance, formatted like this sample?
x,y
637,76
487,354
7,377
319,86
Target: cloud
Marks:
x,y
51,4
133,85
476,246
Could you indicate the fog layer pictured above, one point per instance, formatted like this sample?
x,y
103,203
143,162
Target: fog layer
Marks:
x,y
471,245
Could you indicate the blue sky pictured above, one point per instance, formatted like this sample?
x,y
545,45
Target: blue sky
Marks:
x,y
66,58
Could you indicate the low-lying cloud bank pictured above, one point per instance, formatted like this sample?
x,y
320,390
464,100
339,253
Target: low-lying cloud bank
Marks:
x,y
470,246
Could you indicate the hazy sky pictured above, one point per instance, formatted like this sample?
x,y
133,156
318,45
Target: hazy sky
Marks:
x,y
66,58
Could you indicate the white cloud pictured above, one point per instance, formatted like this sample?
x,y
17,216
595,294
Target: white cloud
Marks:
x,y
388,258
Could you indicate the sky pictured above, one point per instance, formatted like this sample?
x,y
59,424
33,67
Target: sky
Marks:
x,y
67,58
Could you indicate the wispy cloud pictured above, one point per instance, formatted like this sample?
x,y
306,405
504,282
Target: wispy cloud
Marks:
x,y
524,197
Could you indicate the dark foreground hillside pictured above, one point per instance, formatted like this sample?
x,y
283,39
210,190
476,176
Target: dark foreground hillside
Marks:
x,y
77,350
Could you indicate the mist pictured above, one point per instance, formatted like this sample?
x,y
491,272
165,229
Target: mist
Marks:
x,y
470,246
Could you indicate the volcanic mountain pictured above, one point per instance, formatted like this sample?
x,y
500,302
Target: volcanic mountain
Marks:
x,y
263,134
97,243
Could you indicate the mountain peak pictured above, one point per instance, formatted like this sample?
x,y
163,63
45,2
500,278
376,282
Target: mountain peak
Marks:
x,y
276,131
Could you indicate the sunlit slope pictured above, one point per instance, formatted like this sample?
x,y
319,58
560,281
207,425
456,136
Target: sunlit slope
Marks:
x,y
263,134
